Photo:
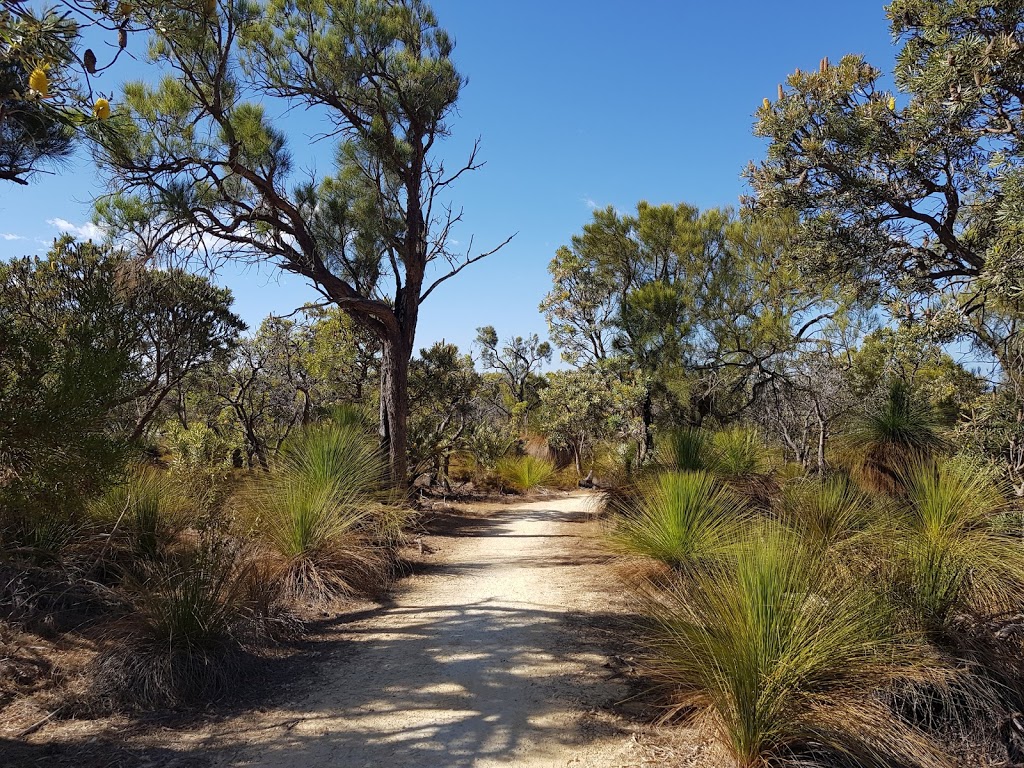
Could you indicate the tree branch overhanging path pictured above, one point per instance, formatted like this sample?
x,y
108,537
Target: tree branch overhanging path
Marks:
x,y
199,162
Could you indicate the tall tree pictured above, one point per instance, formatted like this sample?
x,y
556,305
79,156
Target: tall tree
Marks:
x,y
181,323
442,387
914,197
66,367
706,304
201,161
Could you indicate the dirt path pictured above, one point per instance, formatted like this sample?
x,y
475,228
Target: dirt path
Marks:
x,y
487,659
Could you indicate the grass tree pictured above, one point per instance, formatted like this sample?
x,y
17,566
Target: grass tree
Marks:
x,y
958,553
200,158
684,519
788,660
881,441
316,511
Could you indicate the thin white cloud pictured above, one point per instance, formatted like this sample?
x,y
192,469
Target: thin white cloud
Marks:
x,y
9,236
591,204
88,230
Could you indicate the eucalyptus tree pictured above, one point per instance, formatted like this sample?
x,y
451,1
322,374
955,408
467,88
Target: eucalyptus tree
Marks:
x,y
706,304
202,161
516,361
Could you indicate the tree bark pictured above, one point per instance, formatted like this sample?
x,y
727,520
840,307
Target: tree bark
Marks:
x,y
394,407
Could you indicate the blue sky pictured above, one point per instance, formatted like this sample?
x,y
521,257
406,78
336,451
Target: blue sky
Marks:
x,y
577,105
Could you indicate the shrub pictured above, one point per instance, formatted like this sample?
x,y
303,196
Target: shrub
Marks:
x,y
737,452
149,507
186,638
787,659
685,450
525,473
198,446
317,511
955,555
827,513
683,519
879,442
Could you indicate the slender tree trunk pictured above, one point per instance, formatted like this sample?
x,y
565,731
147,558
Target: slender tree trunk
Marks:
x,y
646,420
394,407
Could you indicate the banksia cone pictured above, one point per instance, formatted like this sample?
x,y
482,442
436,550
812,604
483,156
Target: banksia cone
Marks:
x,y
782,93
824,65
39,82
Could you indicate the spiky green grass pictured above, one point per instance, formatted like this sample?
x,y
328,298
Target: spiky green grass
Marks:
x,y
954,551
318,511
149,508
828,514
738,451
881,441
683,519
685,449
525,473
787,659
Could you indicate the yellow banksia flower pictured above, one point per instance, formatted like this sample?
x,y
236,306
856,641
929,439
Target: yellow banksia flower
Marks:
x,y
892,104
39,82
101,109
766,104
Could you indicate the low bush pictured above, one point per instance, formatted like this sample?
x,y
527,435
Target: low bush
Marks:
x,y
683,519
186,639
149,508
790,662
827,513
954,553
318,512
525,473
737,451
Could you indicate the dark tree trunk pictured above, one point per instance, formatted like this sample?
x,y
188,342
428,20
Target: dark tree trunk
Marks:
x,y
394,407
647,420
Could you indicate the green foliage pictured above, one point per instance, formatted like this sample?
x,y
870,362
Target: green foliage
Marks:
x,y
442,388
627,288
907,355
955,554
525,473
881,182
150,507
517,362
66,369
687,520
790,660
199,446
488,443
317,511
827,513
738,451
35,132
201,157
685,449
882,439
579,409
184,641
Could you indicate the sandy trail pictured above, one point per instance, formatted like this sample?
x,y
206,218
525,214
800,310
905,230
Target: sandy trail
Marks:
x,y
487,659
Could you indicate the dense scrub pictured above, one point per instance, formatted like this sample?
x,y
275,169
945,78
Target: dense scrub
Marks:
x,y
863,617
